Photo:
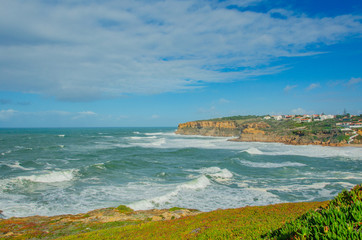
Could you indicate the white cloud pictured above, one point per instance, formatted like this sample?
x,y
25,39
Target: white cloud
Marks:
x,y
87,113
289,87
155,116
7,114
103,49
313,86
354,81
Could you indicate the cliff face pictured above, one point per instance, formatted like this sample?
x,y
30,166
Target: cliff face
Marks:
x,y
247,132
209,128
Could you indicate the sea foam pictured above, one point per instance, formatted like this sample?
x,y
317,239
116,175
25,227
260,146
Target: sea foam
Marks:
x,y
270,165
51,177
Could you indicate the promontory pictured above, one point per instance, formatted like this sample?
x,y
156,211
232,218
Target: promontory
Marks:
x,y
326,130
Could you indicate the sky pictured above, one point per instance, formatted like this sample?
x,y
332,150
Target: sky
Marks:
x,y
150,63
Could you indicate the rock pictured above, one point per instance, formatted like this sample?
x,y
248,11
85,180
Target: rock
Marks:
x,y
9,234
157,218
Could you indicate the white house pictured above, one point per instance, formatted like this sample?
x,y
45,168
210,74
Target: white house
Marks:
x,y
305,120
278,117
324,117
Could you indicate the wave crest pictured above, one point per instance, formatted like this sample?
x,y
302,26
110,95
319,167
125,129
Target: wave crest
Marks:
x,y
195,184
51,177
271,165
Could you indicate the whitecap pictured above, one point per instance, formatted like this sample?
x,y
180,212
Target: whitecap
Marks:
x,y
253,151
50,177
140,138
100,165
156,133
107,136
270,164
7,152
16,165
61,135
150,143
198,183
216,173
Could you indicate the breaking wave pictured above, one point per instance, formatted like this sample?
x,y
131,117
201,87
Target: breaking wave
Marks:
x,y
271,165
51,177
195,184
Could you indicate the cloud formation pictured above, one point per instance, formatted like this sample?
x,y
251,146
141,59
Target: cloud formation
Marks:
x,y
7,114
102,49
289,87
354,81
313,86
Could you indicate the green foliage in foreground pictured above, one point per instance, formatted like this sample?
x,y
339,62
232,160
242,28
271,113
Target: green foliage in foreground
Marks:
x,y
124,209
240,223
342,219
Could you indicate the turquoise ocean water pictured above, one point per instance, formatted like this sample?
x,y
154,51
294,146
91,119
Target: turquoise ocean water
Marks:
x,y
60,171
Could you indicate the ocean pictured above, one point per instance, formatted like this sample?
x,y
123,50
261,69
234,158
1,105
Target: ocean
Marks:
x,y
73,170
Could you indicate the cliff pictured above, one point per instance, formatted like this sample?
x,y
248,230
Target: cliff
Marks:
x,y
258,130
210,128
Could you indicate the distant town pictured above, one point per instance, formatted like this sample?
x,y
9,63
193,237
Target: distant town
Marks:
x,y
346,121
349,124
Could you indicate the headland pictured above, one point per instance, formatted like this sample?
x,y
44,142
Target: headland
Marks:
x,y
325,130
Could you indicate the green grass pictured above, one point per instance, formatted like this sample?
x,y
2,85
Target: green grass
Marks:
x,y
244,223
124,209
175,209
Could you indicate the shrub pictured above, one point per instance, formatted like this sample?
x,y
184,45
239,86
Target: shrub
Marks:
x,y
124,209
342,219
175,209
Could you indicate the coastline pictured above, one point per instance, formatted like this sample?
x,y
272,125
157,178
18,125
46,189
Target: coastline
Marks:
x,y
302,144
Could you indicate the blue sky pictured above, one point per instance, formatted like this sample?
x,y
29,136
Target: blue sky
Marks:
x,y
158,63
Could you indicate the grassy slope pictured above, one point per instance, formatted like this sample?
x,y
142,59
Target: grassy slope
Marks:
x,y
241,223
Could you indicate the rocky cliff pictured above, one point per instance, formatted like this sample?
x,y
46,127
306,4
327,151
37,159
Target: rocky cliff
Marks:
x,y
210,128
259,131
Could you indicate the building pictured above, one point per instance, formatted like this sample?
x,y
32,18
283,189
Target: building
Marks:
x,y
278,117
